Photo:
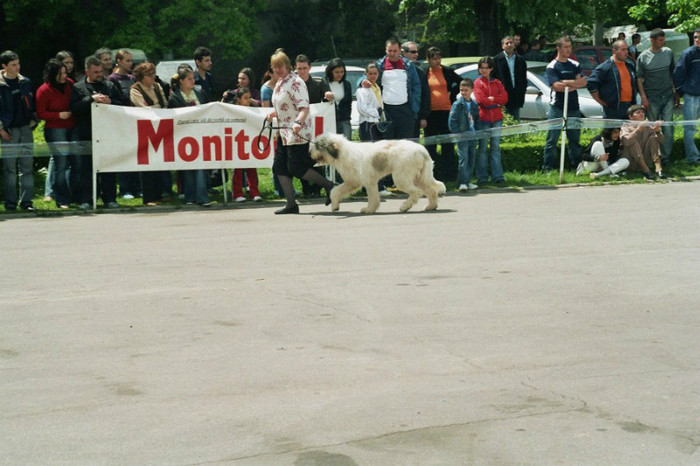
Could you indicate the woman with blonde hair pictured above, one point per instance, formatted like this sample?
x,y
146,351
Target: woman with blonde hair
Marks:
x,y
290,100
146,92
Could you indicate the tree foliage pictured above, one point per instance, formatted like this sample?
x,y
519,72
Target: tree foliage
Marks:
x,y
43,27
330,28
470,20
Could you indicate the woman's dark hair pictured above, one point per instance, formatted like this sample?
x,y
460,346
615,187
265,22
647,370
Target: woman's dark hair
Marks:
x,y
240,92
266,76
433,52
182,71
51,70
489,61
607,133
251,76
333,64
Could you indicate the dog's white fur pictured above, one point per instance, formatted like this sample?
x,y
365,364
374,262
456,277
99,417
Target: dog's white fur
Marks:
x,y
363,164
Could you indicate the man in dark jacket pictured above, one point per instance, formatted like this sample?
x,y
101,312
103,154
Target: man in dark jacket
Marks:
x,y
613,83
410,50
511,70
16,121
93,88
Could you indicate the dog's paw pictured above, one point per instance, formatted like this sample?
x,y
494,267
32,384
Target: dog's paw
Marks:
x,y
335,208
431,207
367,210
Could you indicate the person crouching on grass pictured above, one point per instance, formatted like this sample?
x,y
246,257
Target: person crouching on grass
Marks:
x,y
602,156
641,143
243,97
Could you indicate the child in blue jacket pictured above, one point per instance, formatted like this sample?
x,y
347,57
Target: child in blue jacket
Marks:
x,y
464,115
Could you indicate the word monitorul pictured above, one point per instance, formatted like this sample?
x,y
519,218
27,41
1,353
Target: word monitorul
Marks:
x,y
215,147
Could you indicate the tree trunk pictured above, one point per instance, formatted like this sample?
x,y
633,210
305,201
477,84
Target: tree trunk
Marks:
x,y
487,25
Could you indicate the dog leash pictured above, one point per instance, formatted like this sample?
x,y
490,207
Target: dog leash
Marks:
x,y
267,125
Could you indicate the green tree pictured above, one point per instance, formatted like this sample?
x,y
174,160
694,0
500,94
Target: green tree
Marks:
x,y
683,14
37,29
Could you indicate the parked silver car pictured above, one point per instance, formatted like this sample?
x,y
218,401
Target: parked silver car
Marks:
x,y
537,96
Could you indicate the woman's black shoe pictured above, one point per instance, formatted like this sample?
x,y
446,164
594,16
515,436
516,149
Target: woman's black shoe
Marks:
x,y
288,210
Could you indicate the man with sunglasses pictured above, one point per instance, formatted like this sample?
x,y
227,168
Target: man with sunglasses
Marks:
x,y
686,78
411,51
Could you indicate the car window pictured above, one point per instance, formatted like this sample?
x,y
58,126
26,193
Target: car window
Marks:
x,y
473,74
606,53
587,58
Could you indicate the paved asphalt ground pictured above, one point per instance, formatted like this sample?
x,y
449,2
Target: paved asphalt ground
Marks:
x,y
556,326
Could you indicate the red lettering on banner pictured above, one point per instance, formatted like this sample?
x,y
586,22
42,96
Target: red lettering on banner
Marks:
x,y
241,139
208,142
192,155
318,126
255,149
147,134
228,144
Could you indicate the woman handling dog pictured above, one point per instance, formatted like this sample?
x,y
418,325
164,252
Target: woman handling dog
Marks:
x,y
290,100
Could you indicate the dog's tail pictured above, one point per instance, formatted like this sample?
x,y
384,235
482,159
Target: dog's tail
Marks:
x,y
426,177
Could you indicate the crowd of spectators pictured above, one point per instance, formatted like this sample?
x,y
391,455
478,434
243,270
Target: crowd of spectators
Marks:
x,y
399,98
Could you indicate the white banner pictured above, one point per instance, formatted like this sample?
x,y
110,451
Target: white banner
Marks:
x,y
210,136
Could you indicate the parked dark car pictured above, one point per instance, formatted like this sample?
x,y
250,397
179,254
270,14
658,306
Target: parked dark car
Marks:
x,y
590,56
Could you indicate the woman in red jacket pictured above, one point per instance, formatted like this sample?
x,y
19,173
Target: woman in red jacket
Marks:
x,y
53,106
490,95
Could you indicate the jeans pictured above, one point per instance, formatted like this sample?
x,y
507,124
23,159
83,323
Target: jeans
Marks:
x,y
50,175
60,155
691,111
466,153
20,135
573,136
661,108
482,161
345,128
195,188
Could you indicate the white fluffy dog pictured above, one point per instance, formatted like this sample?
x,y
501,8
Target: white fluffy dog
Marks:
x,y
363,164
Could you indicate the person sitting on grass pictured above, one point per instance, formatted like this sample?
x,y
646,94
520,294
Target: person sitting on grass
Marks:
x,y
602,156
641,143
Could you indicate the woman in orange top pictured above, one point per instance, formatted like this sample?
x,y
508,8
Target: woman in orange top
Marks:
x,y
444,88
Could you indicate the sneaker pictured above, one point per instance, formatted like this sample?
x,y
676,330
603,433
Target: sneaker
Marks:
x,y
257,199
385,193
463,188
240,199
614,175
28,207
128,196
48,199
112,205
592,175
649,176
472,186
63,206
661,175
207,204
580,170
